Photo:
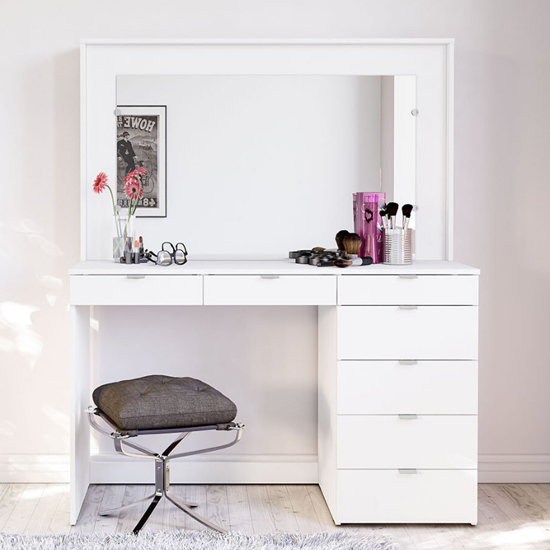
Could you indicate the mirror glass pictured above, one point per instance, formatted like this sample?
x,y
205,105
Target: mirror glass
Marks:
x,y
256,166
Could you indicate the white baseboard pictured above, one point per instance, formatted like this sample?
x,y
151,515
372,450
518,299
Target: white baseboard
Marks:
x,y
505,468
256,469
34,468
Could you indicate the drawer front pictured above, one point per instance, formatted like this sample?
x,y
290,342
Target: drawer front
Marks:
x,y
266,290
407,441
386,496
421,387
120,290
408,290
390,332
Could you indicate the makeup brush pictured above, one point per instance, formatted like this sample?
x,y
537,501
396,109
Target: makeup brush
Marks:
x,y
392,208
383,216
340,262
340,238
352,244
406,209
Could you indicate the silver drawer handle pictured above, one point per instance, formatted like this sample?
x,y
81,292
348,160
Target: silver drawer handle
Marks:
x,y
408,416
408,471
269,276
408,362
408,276
408,308
135,276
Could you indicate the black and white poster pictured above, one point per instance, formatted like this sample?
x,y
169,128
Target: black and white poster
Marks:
x,y
141,143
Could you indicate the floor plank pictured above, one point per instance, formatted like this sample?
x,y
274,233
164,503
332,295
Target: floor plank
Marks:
x,y
519,527
511,516
24,508
281,509
321,508
216,506
112,498
10,496
302,507
196,494
44,513
260,509
89,512
240,517
59,523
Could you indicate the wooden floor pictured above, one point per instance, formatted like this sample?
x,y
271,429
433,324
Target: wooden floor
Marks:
x,y
514,516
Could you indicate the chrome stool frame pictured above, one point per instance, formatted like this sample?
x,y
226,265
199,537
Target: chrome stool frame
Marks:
x,y
162,463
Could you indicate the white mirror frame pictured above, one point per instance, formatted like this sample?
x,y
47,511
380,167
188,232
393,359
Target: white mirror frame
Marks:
x,y
431,60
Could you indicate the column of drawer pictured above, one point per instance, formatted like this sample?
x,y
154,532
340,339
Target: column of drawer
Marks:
x,y
407,398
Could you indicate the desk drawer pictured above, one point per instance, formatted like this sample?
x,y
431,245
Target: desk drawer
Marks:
x,y
391,332
269,290
407,441
147,290
386,496
444,290
421,387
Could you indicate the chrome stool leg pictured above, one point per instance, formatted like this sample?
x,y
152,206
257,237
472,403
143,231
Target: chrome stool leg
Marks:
x,y
184,508
162,468
113,511
160,477
148,512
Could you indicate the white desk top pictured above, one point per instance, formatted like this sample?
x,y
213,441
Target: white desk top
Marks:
x,y
268,267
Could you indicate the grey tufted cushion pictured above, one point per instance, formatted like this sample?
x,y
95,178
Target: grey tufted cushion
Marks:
x,y
159,402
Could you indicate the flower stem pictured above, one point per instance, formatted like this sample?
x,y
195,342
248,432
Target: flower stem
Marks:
x,y
132,208
114,211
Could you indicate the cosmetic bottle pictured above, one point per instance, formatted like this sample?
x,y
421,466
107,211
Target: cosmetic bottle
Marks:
x,y
136,251
368,224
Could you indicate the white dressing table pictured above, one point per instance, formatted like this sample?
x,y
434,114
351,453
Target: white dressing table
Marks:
x,y
397,345
397,409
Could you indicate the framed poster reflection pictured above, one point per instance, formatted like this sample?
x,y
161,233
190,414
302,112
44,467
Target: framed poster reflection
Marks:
x,y
141,142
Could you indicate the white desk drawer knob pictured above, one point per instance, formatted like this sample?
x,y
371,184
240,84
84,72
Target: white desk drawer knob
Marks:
x,y
408,416
408,471
408,308
135,276
408,362
269,276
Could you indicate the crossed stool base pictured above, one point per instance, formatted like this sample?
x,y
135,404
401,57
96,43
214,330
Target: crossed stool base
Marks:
x,y
162,464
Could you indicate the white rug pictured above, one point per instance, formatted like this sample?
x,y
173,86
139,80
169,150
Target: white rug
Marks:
x,y
182,540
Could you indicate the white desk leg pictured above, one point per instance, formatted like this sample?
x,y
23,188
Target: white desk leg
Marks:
x,y
80,399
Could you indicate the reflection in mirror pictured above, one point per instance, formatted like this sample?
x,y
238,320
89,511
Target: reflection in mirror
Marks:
x,y
259,165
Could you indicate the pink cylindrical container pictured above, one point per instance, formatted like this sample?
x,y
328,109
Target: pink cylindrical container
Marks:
x,y
368,223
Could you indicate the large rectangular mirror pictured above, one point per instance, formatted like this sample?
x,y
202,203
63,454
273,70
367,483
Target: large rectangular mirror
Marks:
x,y
255,166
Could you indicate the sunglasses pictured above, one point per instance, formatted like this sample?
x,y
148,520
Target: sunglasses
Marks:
x,y
169,255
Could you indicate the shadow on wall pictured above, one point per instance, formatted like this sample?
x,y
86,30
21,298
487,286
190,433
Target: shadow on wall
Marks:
x,y
40,241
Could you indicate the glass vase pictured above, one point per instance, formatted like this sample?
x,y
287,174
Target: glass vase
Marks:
x,y
123,236
118,238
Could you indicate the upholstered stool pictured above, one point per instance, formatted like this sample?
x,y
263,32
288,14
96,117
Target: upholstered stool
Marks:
x,y
162,405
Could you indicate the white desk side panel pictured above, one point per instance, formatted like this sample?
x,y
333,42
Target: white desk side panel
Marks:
x,y
80,397
327,406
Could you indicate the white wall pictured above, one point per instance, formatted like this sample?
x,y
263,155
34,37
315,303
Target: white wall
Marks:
x,y
502,164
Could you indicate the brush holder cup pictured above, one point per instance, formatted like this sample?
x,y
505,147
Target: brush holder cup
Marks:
x,y
397,249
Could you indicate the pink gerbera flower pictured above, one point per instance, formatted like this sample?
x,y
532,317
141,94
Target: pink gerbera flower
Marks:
x,y
132,187
141,171
100,183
